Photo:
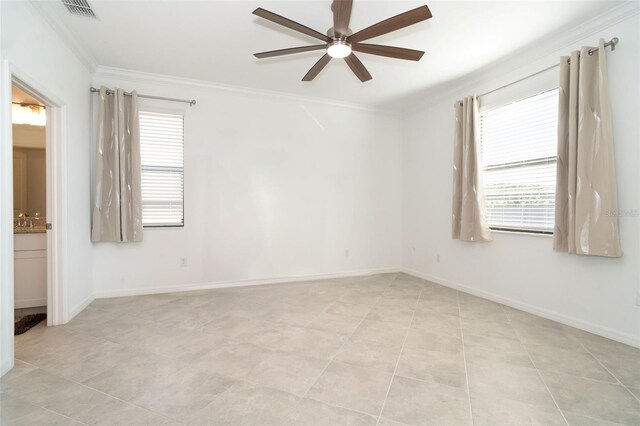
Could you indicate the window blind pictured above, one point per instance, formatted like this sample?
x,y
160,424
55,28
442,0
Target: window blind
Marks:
x,y
518,151
162,160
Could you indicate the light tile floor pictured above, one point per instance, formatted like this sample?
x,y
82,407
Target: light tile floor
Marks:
x,y
386,350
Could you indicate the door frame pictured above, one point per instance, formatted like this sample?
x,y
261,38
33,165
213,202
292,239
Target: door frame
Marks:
x,y
56,205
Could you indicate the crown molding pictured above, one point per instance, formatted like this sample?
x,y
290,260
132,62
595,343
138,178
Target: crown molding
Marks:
x,y
70,40
518,65
90,63
513,63
133,76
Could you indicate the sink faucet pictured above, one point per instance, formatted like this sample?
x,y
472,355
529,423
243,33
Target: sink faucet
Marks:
x,y
22,220
35,220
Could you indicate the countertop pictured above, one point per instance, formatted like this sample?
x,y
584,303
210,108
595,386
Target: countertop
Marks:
x,y
34,230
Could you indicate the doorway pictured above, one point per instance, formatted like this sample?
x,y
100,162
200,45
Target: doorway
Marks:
x,y
29,142
55,113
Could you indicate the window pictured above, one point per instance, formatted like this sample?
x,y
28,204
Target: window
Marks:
x,y
518,151
162,158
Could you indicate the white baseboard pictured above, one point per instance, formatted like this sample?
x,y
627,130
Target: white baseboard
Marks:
x,y
241,283
78,308
6,366
29,303
561,318
590,327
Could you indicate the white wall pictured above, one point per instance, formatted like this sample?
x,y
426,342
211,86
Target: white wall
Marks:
x,y
275,188
598,294
41,57
6,216
27,136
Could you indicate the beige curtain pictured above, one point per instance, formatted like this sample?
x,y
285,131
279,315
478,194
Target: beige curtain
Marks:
x,y
117,209
468,219
586,220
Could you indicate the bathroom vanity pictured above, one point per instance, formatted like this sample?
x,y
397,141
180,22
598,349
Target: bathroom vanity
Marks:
x,y
29,210
30,268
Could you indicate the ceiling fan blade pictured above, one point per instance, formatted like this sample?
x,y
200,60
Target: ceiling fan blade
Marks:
x,y
358,68
389,51
392,24
281,20
289,51
341,15
317,67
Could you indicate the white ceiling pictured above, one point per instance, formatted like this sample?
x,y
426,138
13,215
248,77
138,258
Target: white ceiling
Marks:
x,y
21,97
214,41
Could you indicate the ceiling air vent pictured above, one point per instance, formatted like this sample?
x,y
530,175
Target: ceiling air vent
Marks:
x,y
79,7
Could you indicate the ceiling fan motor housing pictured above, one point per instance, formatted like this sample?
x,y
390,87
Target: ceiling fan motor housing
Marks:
x,y
331,33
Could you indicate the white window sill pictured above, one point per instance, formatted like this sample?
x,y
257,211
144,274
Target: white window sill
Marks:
x,y
149,228
527,234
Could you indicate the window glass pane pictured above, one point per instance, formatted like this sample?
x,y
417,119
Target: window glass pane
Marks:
x,y
518,151
162,156
521,197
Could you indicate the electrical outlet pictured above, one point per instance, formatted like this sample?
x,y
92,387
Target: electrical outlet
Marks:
x,y
347,253
183,262
438,257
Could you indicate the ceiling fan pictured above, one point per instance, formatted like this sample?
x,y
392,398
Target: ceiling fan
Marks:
x,y
340,42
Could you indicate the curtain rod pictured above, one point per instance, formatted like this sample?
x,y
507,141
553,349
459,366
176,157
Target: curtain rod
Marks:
x,y
191,102
611,43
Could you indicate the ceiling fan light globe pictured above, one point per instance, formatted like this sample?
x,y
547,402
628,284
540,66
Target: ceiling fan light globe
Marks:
x,y
339,49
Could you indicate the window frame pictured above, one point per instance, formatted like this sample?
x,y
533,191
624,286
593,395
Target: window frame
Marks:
x,y
144,108
545,160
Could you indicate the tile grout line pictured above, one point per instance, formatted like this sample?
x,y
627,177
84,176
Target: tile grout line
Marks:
x,y
88,387
607,370
341,407
301,397
42,407
59,414
216,398
513,321
198,329
297,395
340,348
386,396
96,390
535,366
418,379
464,357
244,379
